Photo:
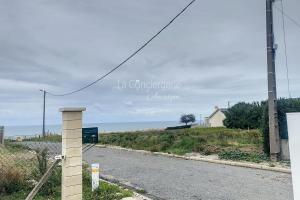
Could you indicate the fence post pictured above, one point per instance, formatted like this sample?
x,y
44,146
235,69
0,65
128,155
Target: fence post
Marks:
x,y
2,135
72,153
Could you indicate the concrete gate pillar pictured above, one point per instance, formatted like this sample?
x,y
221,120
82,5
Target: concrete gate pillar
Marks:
x,y
72,153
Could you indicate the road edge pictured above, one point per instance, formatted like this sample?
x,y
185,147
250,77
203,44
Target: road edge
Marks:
x,y
138,192
223,162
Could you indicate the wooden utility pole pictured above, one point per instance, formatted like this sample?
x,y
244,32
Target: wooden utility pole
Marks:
x,y
272,94
1,135
44,112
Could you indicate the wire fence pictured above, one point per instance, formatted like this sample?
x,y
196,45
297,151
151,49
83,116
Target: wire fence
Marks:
x,y
24,160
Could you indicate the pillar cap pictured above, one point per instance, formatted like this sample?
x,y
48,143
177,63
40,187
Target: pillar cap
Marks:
x,y
72,109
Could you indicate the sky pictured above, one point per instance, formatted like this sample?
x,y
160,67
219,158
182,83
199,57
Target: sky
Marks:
x,y
213,54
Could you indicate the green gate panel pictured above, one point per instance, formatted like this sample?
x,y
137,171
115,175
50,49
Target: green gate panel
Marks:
x,y
90,135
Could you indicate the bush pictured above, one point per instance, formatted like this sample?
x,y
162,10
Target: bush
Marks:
x,y
15,148
42,159
11,180
255,115
14,170
52,187
284,106
244,116
14,186
242,156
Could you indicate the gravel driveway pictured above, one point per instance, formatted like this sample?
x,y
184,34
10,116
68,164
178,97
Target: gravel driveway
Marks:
x,y
178,179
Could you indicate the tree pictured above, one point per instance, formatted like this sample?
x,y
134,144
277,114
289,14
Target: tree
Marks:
x,y
284,106
244,116
187,118
255,115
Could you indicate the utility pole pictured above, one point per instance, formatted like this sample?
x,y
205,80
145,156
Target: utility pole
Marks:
x,y
44,110
200,120
272,96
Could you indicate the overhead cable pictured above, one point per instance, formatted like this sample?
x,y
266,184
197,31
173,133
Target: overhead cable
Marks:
x,y
128,58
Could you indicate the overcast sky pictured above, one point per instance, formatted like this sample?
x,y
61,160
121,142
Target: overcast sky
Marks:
x,y
214,53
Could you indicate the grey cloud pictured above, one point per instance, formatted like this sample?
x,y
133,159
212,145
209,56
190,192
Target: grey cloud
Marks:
x,y
216,53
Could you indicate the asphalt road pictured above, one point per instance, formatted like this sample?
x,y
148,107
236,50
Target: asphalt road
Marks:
x,y
178,179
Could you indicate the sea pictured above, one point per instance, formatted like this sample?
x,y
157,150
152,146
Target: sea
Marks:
x,y
11,131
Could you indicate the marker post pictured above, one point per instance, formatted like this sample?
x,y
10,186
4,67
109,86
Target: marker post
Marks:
x,y
95,176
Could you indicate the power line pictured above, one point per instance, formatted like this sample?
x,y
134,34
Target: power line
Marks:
x,y
128,58
285,48
288,17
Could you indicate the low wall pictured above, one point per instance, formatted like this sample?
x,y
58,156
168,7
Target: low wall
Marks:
x,y
285,151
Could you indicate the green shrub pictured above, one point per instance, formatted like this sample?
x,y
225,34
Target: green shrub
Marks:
x,y
187,143
13,147
52,187
284,106
255,115
42,159
242,156
244,116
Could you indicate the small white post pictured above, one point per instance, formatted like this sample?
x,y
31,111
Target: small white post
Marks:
x,y
293,120
72,153
95,176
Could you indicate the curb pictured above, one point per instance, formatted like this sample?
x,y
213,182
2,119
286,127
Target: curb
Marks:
x,y
138,192
122,185
223,162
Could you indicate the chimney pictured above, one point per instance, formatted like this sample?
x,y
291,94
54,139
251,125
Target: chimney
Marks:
x,y
216,108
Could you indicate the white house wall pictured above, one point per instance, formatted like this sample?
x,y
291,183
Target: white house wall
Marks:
x,y
217,119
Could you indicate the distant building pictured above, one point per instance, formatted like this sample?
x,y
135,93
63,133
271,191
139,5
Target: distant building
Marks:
x,y
216,118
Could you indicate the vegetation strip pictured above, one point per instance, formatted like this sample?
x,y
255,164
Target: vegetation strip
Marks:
x,y
18,178
140,191
234,144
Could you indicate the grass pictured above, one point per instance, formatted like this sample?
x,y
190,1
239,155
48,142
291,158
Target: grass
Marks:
x,y
14,147
47,138
51,190
17,157
106,191
16,164
20,166
205,141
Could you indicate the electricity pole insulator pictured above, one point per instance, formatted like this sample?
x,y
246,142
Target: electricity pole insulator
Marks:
x,y
272,94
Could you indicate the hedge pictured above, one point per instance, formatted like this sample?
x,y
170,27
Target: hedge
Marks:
x,y
255,115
